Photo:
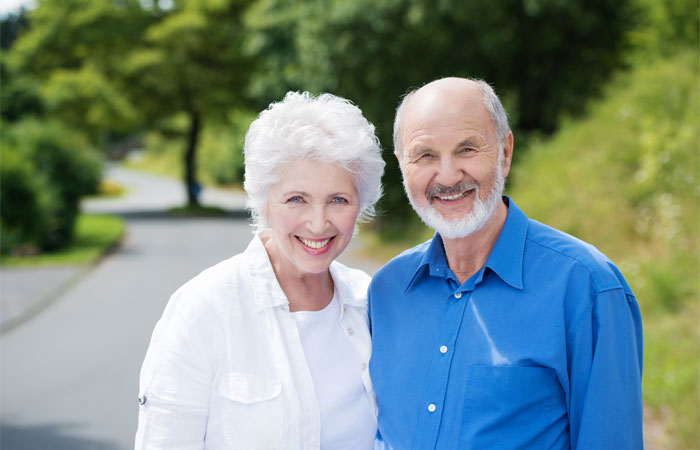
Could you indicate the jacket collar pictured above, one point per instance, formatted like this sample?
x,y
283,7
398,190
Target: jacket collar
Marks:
x,y
267,291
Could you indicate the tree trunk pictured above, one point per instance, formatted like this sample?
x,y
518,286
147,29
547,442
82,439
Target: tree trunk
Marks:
x,y
193,187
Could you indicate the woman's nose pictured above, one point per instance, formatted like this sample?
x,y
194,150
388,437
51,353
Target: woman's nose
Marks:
x,y
317,221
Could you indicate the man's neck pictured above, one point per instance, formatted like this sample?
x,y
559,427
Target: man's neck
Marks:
x,y
467,255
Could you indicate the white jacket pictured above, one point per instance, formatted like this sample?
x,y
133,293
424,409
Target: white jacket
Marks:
x,y
225,368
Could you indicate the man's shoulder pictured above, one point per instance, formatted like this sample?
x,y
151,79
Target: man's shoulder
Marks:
x,y
557,245
402,267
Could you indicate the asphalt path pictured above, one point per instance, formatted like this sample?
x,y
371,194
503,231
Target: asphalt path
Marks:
x,y
69,375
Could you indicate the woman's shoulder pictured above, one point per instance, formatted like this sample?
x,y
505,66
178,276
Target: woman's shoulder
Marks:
x,y
210,291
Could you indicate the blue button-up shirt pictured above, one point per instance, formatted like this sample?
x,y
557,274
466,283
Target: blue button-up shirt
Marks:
x,y
540,349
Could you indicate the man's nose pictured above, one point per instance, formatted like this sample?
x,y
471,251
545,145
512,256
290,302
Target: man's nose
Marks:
x,y
449,173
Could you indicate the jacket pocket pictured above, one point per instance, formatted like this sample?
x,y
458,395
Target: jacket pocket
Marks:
x,y
252,411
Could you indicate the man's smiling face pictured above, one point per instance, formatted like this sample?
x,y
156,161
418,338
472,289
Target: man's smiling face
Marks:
x,y
452,161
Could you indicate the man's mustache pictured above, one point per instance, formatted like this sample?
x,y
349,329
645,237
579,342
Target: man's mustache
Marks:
x,y
462,186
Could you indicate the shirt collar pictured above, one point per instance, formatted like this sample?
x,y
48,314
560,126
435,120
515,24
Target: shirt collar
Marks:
x,y
505,259
268,293
432,263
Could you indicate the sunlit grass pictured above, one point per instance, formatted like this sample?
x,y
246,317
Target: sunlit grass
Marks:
x,y
95,234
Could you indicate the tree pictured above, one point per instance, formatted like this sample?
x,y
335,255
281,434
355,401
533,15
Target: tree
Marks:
x,y
190,62
125,66
70,58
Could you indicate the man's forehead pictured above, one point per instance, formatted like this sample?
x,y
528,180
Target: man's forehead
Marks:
x,y
442,106
439,115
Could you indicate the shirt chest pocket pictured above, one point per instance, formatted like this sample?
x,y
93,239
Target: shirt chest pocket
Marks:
x,y
512,407
252,411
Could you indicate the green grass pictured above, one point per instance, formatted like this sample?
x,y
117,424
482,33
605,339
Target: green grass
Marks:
x,y
95,234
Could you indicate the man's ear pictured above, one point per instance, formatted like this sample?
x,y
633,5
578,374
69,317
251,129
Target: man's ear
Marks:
x,y
398,157
507,153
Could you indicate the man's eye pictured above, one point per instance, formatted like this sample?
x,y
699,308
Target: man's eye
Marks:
x,y
339,200
426,156
466,150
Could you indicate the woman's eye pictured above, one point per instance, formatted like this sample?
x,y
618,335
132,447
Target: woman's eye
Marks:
x,y
339,200
295,199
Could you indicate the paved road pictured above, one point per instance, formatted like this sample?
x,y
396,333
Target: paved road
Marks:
x,y
70,374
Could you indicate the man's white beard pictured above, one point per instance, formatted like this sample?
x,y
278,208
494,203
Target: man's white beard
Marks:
x,y
464,226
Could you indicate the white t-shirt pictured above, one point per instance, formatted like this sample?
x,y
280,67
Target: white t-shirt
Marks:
x,y
347,417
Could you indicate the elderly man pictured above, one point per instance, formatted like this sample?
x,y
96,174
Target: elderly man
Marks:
x,y
500,332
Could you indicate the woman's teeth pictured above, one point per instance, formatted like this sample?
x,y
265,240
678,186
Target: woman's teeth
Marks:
x,y
315,244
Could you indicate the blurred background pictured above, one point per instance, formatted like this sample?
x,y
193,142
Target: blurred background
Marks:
x,y
121,133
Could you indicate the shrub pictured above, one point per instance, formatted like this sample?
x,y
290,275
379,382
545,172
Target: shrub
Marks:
x,y
49,168
25,200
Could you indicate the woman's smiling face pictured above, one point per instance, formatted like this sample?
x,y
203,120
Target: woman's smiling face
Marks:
x,y
312,212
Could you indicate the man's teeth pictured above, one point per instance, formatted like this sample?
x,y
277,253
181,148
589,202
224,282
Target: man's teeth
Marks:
x,y
454,196
315,244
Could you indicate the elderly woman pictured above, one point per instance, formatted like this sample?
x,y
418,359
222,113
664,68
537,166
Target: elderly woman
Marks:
x,y
269,349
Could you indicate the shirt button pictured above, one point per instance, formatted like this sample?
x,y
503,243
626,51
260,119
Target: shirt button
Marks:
x,y
364,366
458,295
443,349
142,400
432,407
350,331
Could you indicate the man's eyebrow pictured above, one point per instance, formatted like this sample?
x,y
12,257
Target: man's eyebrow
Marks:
x,y
419,149
469,142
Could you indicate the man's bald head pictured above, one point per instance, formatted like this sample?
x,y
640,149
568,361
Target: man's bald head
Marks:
x,y
453,91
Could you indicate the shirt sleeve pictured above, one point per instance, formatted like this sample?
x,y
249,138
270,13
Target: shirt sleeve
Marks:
x,y
175,385
605,363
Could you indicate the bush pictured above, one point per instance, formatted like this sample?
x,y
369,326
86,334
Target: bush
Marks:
x,y
26,202
46,169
